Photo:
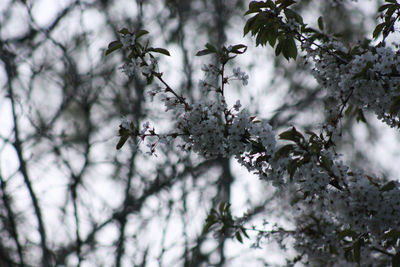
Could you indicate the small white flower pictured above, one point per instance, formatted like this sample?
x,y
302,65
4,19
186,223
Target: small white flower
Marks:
x,y
237,105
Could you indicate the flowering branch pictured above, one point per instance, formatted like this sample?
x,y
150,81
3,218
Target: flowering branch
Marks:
x,y
350,209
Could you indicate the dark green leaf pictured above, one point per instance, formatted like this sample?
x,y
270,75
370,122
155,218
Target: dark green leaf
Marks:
x,y
360,116
378,30
292,48
124,31
284,151
285,3
244,232
388,186
356,250
211,48
115,45
345,233
326,162
203,52
291,14
270,4
278,48
248,26
159,50
395,106
383,7
333,250
255,6
393,234
320,24
237,49
149,79
122,141
292,135
272,36
140,33
239,237
211,220
396,260
390,11
292,167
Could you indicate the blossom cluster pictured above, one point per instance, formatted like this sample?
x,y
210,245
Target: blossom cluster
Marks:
x,y
241,76
146,65
369,80
338,199
208,127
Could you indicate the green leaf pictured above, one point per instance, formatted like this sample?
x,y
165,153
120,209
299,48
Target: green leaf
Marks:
x,y
210,221
244,232
392,234
140,33
115,45
390,11
291,14
320,23
270,4
378,30
239,237
289,49
284,151
203,52
211,48
356,250
388,186
124,31
159,50
333,250
292,48
396,260
255,6
278,48
124,133
292,135
326,162
272,35
237,49
360,116
248,25
262,37
395,106
122,141
285,3
347,232
292,167
383,7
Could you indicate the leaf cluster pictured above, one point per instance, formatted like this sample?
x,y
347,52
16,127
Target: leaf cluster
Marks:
x,y
390,14
224,53
222,221
269,28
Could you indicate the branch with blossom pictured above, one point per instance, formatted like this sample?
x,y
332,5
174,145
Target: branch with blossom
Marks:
x,y
351,211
